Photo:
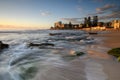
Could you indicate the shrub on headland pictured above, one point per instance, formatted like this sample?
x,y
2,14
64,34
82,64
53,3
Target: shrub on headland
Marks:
x,y
115,52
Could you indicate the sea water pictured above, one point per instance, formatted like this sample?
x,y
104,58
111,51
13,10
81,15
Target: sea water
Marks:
x,y
20,62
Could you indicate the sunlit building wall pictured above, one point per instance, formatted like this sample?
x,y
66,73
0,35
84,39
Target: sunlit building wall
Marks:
x,y
116,24
58,25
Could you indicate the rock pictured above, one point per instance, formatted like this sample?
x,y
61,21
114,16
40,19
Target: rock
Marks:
x,y
3,46
53,34
118,59
42,44
115,52
76,53
79,53
93,33
29,73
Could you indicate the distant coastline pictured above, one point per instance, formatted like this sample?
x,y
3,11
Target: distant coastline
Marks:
x,y
88,24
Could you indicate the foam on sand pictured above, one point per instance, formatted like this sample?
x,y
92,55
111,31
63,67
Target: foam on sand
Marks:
x,y
94,71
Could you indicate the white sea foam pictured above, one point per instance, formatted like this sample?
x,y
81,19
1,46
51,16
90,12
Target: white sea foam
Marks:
x,y
47,58
94,71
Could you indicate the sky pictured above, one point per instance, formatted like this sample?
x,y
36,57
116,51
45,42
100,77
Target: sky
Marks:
x,y
42,14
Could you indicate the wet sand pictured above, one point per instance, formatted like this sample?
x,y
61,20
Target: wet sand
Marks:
x,y
111,65
73,70
96,65
111,39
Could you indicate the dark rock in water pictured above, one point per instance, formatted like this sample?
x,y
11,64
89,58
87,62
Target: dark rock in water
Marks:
x,y
3,46
47,44
53,34
79,53
115,52
28,73
93,33
73,55
118,58
42,44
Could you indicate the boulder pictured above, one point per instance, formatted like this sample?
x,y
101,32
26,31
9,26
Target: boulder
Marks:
x,y
93,33
118,59
78,53
115,52
41,44
28,73
53,34
3,46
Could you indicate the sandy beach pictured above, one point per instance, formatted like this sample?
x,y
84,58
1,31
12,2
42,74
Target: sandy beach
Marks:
x,y
96,65
111,39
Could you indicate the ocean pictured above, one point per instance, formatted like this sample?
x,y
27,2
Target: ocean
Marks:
x,y
58,62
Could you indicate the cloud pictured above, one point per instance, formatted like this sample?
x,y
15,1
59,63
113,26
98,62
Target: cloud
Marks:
x,y
73,20
96,13
45,13
115,14
108,11
106,7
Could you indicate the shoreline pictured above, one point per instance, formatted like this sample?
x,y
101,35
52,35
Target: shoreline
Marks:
x,y
110,38
111,65
95,65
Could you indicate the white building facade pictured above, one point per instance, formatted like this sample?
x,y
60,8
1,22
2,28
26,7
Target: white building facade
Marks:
x,y
116,24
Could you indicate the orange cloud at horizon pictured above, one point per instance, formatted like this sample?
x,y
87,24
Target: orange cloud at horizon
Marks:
x,y
11,27
12,24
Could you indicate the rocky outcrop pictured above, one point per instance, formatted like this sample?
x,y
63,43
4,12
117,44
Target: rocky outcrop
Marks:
x,y
53,34
78,53
3,46
41,44
93,33
118,58
115,52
